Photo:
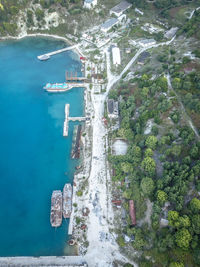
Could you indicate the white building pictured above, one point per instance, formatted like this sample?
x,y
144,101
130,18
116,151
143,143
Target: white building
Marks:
x,y
120,8
105,27
90,3
147,42
116,56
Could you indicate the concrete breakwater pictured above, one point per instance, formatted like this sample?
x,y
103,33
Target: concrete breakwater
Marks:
x,y
67,261
48,55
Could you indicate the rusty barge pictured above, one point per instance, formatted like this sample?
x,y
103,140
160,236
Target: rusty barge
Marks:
x,y
75,154
56,208
67,201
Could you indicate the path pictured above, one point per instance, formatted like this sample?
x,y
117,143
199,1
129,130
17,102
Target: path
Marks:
x,y
188,119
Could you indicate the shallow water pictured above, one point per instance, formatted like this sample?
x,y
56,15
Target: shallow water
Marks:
x,y
34,156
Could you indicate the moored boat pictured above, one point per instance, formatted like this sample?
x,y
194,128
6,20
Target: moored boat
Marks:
x,y
57,87
56,208
67,201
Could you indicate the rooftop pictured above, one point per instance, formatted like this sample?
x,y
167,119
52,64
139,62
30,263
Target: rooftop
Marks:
x,y
121,7
143,56
109,23
110,106
89,1
147,41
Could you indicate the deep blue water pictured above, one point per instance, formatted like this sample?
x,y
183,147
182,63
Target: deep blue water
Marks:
x,y
34,156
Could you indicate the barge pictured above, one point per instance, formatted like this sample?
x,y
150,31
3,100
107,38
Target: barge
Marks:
x,y
75,154
67,201
56,208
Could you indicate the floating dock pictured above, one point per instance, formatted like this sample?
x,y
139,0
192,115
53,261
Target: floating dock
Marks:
x,y
56,208
67,201
48,55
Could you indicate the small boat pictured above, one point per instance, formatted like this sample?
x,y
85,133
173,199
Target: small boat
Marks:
x,y
56,208
72,242
67,201
78,167
43,57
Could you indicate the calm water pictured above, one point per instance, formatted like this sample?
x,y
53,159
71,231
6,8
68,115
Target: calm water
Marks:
x,y
34,156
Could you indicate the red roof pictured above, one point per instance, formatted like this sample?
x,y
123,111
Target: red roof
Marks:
x,y
132,212
82,58
117,202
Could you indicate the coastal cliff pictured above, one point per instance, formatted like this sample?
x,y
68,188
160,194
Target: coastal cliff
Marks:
x,y
22,17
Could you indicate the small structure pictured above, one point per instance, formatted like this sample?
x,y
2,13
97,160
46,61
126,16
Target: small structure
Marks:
x,y
105,27
147,42
119,147
164,222
90,3
116,56
119,9
128,50
142,58
85,211
132,212
117,203
112,108
139,11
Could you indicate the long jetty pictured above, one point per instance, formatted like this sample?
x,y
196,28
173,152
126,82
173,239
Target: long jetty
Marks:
x,y
65,128
48,55
67,119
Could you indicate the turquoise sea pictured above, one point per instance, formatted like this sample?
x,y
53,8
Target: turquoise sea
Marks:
x,y
34,156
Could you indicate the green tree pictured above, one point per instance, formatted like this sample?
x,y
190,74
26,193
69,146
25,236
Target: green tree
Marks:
x,y
195,205
149,166
151,142
196,223
120,241
39,14
173,217
148,152
126,167
147,185
183,238
176,264
161,196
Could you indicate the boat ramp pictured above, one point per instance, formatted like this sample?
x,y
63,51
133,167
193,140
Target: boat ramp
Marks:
x,y
48,55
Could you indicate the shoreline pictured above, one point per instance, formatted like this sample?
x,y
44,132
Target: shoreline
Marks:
x,y
54,36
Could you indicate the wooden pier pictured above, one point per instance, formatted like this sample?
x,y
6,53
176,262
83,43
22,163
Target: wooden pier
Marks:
x,y
67,119
48,55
